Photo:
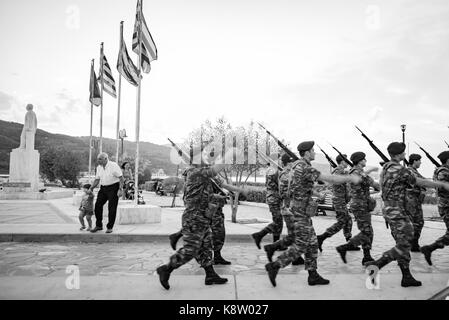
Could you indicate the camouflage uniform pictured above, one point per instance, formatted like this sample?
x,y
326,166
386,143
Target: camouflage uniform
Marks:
x,y
284,179
274,202
395,180
359,207
305,240
215,207
442,174
217,203
340,200
413,205
196,219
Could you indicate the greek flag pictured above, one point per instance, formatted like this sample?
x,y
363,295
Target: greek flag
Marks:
x,y
125,65
95,96
149,50
108,79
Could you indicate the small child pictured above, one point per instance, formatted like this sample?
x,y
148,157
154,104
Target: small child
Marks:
x,y
86,207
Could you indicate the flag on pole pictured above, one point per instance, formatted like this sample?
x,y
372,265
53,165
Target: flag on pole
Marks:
x,y
108,80
125,65
149,50
95,95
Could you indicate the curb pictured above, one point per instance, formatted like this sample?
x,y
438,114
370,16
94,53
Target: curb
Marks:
x,y
103,238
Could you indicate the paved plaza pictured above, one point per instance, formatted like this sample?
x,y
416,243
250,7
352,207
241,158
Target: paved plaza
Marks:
x,y
124,267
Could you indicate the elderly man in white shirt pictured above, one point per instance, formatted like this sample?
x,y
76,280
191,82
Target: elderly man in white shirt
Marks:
x,y
110,177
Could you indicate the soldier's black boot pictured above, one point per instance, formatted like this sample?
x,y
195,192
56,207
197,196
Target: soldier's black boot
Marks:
x,y
407,278
258,236
212,277
342,251
427,251
270,249
379,263
366,256
272,269
315,279
415,246
218,259
298,261
174,239
164,274
321,238
352,247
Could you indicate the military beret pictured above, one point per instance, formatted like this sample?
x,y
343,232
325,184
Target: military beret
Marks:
x,y
340,158
443,156
396,148
356,157
414,157
286,158
305,146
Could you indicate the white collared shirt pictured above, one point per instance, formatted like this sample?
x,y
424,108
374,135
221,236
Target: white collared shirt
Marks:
x,y
110,174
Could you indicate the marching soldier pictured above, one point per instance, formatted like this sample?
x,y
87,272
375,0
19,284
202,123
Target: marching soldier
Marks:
x,y
305,241
414,198
274,204
340,200
441,175
360,207
394,180
284,185
196,226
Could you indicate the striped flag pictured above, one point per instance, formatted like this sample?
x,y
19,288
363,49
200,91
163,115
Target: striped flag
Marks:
x,y
149,50
108,80
95,95
125,65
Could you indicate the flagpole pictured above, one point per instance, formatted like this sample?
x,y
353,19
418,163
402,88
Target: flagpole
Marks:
x,y
136,173
119,96
91,121
101,106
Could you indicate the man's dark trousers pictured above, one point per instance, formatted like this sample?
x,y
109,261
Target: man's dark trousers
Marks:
x,y
109,194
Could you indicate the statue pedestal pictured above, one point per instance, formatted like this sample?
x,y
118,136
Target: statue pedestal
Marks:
x,y
24,167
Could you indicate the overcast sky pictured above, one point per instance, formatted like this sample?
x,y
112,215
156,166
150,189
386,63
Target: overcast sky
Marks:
x,y
308,70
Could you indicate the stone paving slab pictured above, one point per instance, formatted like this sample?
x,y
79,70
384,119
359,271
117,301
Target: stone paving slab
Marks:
x,y
118,288
239,287
342,287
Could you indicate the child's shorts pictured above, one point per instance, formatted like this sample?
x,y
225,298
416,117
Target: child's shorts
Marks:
x,y
87,212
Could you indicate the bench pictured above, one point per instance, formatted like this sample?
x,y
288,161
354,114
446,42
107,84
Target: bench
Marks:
x,y
326,205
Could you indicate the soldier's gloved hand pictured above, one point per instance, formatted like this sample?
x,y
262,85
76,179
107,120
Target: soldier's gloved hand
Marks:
x,y
446,186
355,179
373,169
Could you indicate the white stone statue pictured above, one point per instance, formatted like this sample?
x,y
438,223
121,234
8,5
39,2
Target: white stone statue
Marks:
x,y
29,129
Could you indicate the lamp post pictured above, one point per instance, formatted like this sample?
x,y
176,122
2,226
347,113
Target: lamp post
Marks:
x,y
403,126
122,135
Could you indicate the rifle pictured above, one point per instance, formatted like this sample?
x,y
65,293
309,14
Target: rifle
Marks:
x,y
373,146
446,143
429,156
332,163
183,155
280,144
268,159
344,158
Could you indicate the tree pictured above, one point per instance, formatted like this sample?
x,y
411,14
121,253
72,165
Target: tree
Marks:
x,y
60,163
245,162
48,163
68,167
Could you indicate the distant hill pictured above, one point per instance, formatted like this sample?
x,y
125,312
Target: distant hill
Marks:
x,y
159,155
10,139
